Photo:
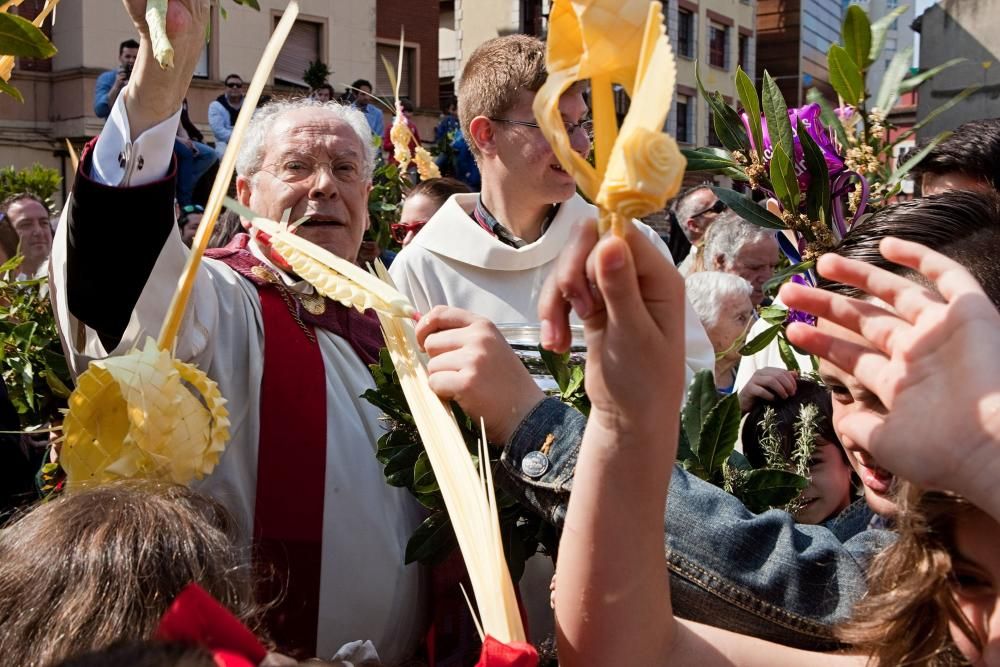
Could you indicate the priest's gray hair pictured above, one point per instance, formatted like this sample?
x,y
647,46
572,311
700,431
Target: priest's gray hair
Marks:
x,y
708,290
727,235
251,156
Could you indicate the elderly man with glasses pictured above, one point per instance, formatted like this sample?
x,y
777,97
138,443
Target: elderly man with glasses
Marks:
x,y
691,214
299,472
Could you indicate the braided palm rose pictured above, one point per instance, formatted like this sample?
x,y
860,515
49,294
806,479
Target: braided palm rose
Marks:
x,y
426,166
648,169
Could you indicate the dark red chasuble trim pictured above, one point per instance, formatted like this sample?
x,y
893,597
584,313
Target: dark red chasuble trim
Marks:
x,y
291,477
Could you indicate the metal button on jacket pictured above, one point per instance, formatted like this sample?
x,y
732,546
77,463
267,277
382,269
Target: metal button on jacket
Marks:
x,y
534,464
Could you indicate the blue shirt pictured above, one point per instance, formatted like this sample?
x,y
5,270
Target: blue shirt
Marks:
x,y
102,105
375,120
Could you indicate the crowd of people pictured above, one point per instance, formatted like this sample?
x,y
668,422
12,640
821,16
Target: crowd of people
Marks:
x,y
197,161
889,556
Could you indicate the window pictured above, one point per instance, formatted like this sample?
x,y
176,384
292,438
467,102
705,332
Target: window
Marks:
x,y
718,39
713,138
744,54
301,47
533,18
202,69
685,33
407,84
685,113
622,102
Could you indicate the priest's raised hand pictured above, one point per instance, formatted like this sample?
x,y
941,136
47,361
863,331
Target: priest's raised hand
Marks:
x,y
153,93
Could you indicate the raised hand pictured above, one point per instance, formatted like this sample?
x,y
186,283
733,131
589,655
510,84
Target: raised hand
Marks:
x,y
933,360
767,384
631,301
154,94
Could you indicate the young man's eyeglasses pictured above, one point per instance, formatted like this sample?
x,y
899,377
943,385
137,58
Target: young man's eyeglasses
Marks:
x,y
399,230
586,125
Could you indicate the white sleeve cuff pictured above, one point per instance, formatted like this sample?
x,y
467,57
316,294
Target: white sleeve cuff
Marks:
x,y
123,163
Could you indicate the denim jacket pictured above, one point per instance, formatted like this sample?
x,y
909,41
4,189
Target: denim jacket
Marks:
x,y
757,574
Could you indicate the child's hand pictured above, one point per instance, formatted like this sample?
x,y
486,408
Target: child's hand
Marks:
x,y
932,360
767,384
631,301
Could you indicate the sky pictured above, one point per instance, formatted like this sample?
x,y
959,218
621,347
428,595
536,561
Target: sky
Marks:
x,y
919,6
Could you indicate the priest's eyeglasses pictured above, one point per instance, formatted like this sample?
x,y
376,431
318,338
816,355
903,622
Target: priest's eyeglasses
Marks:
x,y
586,125
302,168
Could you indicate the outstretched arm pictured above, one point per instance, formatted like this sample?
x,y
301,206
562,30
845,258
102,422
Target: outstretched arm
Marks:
x,y
120,218
613,597
155,94
609,592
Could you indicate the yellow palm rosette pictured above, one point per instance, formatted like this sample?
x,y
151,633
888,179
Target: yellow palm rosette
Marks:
x,y
426,166
144,415
638,168
401,137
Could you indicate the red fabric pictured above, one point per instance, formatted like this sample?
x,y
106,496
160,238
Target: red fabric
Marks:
x,y
362,331
452,638
498,654
291,478
195,617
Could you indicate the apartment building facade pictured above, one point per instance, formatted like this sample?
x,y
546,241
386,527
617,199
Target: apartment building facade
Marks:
x,y
959,29
710,37
465,24
715,35
793,37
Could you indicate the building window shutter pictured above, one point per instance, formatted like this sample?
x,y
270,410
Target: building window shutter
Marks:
x,y
390,52
301,48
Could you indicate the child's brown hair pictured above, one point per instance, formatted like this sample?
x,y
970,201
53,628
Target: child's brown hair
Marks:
x,y
904,619
101,565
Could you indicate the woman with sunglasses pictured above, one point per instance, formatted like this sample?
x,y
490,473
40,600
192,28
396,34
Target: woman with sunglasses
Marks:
x,y
421,203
